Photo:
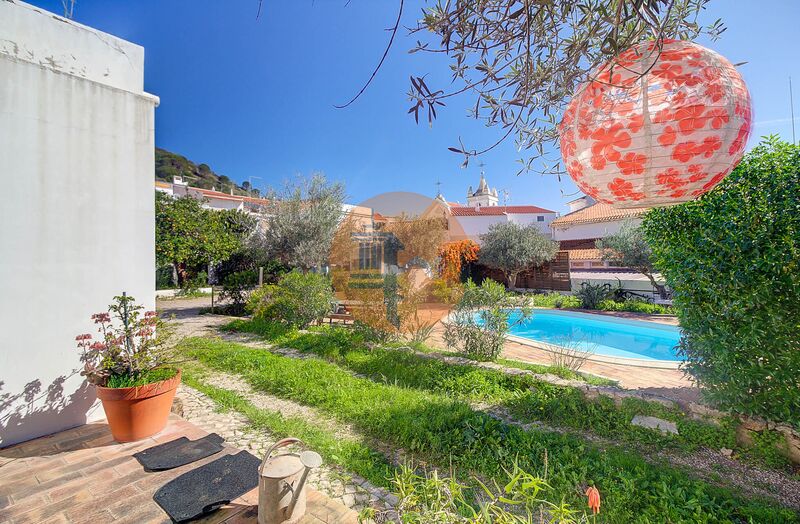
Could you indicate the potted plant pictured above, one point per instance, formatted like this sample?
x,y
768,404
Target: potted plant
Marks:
x,y
129,365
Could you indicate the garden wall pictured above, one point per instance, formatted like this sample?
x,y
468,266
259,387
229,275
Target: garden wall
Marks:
x,y
76,164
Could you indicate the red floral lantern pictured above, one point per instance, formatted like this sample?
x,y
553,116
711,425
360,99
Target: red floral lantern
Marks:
x,y
656,127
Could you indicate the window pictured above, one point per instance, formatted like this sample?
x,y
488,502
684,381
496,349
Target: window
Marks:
x,y
369,255
540,218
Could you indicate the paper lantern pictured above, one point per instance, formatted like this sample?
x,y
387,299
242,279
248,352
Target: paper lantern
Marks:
x,y
656,126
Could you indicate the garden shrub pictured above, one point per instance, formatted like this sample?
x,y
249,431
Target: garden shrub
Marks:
x,y
555,300
236,288
635,306
591,295
298,299
479,322
732,260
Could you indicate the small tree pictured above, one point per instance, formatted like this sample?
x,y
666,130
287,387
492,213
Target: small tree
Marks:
x,y
629,248
479,322
513,248
302,221
189,235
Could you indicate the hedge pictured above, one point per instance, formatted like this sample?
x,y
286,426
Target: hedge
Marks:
x,y
733,260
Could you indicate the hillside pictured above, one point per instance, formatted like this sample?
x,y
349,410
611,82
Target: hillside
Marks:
x,y
169,165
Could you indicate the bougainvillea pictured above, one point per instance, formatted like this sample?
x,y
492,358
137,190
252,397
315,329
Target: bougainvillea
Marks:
x,y
453,256
656,126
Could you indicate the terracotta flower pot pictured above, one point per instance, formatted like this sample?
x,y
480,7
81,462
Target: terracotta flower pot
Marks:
x,y
138,412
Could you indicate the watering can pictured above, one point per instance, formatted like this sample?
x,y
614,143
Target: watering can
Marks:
x,y
281,484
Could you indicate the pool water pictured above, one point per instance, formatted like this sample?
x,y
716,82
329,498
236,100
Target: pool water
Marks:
x,y
614,337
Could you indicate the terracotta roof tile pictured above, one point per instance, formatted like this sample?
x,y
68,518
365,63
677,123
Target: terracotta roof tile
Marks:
x,y
584,254
597,213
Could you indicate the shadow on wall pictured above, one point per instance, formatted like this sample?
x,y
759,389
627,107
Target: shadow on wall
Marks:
x,y
35,407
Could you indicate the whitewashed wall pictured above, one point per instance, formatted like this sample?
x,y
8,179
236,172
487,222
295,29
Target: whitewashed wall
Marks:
x,y
473,227
594,230
76,223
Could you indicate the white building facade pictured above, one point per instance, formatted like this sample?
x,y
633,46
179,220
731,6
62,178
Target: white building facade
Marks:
x,y
211,198
483,209
76,163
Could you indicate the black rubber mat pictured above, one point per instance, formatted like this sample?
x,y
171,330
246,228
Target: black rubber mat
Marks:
x,y
179,452
208,487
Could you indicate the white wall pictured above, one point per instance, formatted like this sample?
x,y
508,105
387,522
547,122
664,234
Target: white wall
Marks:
x,y
76,223
525,219
473,227
593,230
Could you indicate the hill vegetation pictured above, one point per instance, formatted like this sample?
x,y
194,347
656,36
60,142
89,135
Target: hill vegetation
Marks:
x,y
170,165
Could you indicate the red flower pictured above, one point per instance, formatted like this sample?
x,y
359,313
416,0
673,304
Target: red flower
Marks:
x,y
710,145
85,336
575,170
667,138
606,140
635,123
711,74
719,117
697,173
690,118
632,164
670,178
567,145
663,116
623,190
594,499
684,151
665,70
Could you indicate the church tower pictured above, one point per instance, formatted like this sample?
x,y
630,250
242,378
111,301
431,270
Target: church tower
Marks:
x,y
483,196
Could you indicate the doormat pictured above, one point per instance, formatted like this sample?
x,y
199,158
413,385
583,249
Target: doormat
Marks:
x,y
178,452
208,487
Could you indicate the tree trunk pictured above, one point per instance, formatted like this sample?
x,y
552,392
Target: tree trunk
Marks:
x,y
182,273
512,281
662,290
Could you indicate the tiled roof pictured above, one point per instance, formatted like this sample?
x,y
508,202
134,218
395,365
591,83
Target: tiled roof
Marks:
x,y
165,185
469,211
597,213
226,196
584,254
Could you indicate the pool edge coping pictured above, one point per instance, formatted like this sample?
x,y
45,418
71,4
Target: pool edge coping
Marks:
x,y
632,362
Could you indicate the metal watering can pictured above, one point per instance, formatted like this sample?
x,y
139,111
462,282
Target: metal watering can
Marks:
x,y
281,484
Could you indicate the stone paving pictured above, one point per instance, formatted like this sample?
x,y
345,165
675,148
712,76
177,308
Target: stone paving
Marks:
x,y
347,488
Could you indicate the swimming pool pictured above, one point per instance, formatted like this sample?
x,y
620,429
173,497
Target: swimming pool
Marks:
x,y
602,335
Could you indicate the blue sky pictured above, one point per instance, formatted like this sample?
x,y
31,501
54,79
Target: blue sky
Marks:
x,y
255,98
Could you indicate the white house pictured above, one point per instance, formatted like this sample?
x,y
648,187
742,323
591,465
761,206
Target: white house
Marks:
x,y
76,223
579,230
482,210
211,198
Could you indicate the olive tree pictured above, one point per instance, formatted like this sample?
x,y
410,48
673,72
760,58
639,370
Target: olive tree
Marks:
x,y
512,248
629,248
301,221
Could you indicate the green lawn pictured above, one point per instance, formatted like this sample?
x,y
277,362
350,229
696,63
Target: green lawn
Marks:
x,y
423,408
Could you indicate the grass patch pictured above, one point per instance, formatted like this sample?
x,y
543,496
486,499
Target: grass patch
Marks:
x,y
353,456
438,427
528,398
140,379
562,372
